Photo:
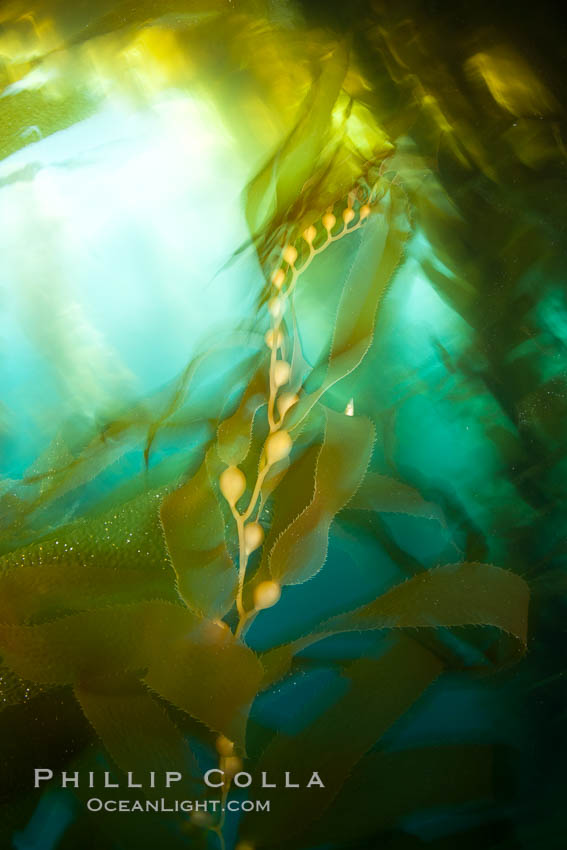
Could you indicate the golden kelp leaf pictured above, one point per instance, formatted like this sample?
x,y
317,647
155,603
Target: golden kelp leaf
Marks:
x,y
379,691
208,673
410,781
14,689
234,434
123,537
363,133
206,380
466,594
272,480
194,532
280,182
455,291
72,461
300,552
110,640
28,116
387,495
43,592
136,731
214,681
511,82
377,259
78,469
533,142
366,285
288,502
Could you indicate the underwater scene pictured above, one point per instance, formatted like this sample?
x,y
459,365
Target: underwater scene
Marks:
x,y
283,425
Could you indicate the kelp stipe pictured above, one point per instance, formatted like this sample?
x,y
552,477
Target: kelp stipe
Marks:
x,y
278,443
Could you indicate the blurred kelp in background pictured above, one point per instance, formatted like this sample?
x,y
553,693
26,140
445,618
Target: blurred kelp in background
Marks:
x,y
283,419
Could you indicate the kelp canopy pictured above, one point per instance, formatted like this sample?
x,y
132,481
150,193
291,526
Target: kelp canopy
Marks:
x,y
283,420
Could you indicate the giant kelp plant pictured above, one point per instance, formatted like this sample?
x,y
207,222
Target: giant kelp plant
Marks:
x,y
312,549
